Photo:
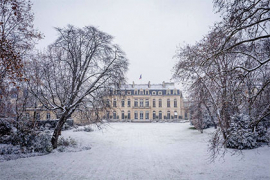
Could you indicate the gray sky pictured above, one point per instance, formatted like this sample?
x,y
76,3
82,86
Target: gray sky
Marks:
x,y
148,31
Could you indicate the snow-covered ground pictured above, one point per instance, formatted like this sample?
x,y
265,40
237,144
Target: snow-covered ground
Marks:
x,y
140,151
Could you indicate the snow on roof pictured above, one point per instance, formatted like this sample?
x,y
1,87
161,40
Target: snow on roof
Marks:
x,y
164,85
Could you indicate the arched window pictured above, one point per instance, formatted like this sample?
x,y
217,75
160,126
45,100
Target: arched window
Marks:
x,y
147,115
141,114
122,115
128,115
175,103
160,114
168,115
128,103
123,103
154,102
168,103
136,115
114,102
159,103
114,115
175,114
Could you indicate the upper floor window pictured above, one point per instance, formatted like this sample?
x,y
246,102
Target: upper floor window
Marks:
x,y
123,103
159,92
48,116
141,102
159,103
37,116
136,103
168,103
147,103
128,103
136,92
175,103
154,93
27,115
141,92
108,103
147,92
128,93
168,91
114,103
154,102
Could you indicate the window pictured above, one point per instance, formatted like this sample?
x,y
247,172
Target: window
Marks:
x,y
154,93
114,115
147,103
48,116
27,115
108,103
123,103
141,92
128,115
154,103
175,103
128,103
160,114
159,103
141,114
114,102
147,115
108,115
122,115
147,92
38,116
168,103
136,115
136,92
168,91
168,115
141,102
159,92
128,93
136,103
175,114
154,114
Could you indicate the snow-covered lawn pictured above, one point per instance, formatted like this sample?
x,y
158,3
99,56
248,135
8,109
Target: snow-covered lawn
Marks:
x,y
140,151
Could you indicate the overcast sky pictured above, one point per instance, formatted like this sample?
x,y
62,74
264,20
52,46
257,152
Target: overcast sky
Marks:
x,y
148,31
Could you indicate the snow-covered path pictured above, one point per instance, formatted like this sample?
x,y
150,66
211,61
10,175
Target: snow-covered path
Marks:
x,y
140,151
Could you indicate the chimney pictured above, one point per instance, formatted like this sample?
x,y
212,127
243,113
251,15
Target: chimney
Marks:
x,y
133,84
149,85
163,84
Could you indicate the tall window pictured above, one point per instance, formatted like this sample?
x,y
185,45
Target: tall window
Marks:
x,y
114,102
141,92
141,102
122,115
128,103
108,115
114,115
108,103
154,102
168,115
136,92
147,115
160,115
159,103
136,115
175,103
38,116
48,116
128,115
123,103
168,103
147,103
154,114
175,114
136,103
141,114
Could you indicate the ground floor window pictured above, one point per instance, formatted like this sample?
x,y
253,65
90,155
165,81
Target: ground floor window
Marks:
x,y
123,115
141,115
160,115
114,115
154,114
147,115
175,114
128,115
135,115
168,115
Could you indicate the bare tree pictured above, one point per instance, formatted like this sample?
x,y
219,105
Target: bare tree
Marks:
x,y
76,70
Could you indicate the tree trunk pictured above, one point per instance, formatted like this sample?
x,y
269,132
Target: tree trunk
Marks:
x,y
57,130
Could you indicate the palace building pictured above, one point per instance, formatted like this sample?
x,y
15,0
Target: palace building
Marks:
x,y
146,102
